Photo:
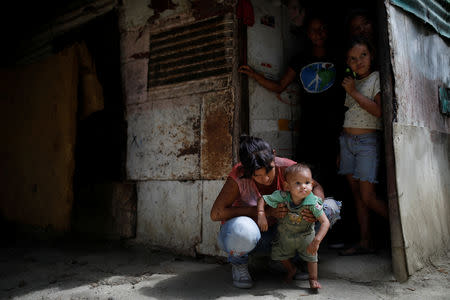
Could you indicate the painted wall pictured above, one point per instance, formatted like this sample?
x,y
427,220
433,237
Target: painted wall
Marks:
x,y
180,136
270,47
421,136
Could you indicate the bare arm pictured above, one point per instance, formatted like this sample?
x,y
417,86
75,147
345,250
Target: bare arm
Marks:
x,y
223,210
372,107
270,85
324,225
262,220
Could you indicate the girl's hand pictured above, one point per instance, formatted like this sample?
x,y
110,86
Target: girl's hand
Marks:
x,y
262,222
247,70
349,85
279,212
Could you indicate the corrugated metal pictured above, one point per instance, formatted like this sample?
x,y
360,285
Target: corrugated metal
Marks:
x,y
421,136
189,52
436,13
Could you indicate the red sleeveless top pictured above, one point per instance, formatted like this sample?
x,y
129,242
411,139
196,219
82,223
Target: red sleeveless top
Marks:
x,y
248,189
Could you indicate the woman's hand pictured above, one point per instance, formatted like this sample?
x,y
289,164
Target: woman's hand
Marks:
x,y
349,85
262,222
247,70
308,216
278,212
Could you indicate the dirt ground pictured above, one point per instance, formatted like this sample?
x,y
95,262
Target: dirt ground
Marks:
x,y
93,270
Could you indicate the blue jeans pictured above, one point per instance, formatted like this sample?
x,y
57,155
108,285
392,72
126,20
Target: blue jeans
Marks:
x,y
360,155
240,236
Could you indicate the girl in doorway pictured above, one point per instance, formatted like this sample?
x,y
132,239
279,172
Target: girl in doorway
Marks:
x,y
359,142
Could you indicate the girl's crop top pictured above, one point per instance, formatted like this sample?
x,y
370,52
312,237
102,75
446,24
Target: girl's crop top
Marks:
x,y
356,116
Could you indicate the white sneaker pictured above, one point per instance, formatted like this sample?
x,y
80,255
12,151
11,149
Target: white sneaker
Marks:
x,y
241,276
301,275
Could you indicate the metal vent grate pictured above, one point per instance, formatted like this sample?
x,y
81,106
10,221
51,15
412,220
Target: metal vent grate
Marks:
x,y
194,51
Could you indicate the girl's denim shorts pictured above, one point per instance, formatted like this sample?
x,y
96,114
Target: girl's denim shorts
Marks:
x,y
360,156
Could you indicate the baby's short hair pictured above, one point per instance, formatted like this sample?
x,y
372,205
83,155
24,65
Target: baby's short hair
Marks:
x,y
298,167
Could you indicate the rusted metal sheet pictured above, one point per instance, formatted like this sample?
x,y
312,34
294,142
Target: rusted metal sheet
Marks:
x,y
423,170
181,126
420,64
206,8
389,117
191,51
217,126
207,85
164,139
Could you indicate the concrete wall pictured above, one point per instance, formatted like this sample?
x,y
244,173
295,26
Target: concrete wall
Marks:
x,y
180,136
420,64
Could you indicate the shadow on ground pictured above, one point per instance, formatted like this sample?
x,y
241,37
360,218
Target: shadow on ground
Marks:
x,y
28,266
214,281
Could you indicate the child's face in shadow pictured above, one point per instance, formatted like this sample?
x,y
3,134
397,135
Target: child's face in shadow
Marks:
x,y
299,184
359,60
317,32
296,13
361,25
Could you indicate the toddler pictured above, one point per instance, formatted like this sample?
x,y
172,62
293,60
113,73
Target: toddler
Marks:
x,y
295,235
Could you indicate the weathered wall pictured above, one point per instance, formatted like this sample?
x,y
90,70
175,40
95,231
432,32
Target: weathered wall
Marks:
x,y
179,135
421,63
269,44
38,126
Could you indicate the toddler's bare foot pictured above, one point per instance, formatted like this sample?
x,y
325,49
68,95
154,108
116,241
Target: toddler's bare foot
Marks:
x,y
290,275
314,284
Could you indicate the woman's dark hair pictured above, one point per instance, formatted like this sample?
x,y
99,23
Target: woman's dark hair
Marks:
x,y
254,154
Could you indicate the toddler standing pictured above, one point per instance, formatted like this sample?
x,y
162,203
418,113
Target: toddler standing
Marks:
x,y
294,234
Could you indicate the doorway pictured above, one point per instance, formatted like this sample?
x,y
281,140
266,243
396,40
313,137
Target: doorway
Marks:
x,y
272,42
104,205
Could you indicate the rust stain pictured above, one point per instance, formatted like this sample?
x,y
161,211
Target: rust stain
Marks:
x,y
216,148
195,124
193,149
141,55
188,147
